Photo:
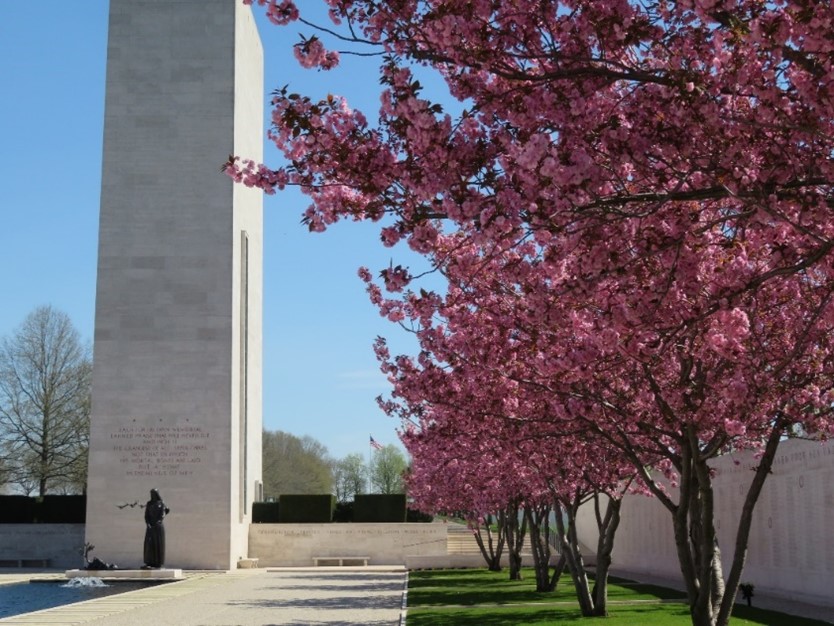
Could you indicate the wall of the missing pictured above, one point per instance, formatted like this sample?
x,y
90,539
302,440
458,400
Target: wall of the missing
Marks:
x,y
791,547
29,545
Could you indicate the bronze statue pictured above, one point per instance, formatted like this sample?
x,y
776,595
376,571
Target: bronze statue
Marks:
x,y
96,563
155,510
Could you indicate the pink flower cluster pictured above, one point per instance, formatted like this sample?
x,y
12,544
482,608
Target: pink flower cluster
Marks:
x,y
279,12
311,53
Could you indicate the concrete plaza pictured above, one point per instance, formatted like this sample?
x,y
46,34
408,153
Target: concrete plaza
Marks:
x,y
369,596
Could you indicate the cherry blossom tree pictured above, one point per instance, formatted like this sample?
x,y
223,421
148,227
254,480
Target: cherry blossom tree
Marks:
x,y
474,431
637,194
450,475
585,471
462,461
667,407
462,388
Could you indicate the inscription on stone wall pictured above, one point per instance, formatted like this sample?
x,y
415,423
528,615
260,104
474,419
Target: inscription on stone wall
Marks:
x,y
159,450
348,531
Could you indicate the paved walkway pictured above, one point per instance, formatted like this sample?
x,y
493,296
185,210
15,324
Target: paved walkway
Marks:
x,y
368,596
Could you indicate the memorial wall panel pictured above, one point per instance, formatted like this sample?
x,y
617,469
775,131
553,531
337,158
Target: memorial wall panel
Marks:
x,y
791,546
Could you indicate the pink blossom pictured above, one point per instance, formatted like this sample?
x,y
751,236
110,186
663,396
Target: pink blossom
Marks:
x,y
311,53
396,278
364,274
734,428
279,12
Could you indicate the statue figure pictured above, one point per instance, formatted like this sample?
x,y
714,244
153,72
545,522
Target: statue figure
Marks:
x,y
96,563
155,510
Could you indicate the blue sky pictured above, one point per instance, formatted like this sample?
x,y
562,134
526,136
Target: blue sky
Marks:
x,y
320,374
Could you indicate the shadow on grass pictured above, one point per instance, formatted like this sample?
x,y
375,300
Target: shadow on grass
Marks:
x,y
639,591
498,616
642,615
452,587
751,615
470,587
429,591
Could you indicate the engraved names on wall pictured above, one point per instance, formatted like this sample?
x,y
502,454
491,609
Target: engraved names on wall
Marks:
x,y
159,450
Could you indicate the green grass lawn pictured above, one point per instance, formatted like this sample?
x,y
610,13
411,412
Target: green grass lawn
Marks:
x,y
483,598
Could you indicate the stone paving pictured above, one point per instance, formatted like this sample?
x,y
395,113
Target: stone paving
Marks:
x,y
368,596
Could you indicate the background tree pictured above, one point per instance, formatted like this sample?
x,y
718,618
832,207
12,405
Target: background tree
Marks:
x,y
349,477
387,469
3,478
295,465
75,479
45,375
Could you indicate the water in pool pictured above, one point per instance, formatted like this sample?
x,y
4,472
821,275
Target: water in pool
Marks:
x,y
35,596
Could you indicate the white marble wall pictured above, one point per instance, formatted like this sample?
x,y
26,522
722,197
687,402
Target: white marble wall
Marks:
x,y
791,547
184,90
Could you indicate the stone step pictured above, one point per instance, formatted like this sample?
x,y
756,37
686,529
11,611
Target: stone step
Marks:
x,y
461,540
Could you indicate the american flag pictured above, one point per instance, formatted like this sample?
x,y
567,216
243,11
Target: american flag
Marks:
x,y
374,444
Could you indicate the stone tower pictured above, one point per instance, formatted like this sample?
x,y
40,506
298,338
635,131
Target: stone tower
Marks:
x,y
177,353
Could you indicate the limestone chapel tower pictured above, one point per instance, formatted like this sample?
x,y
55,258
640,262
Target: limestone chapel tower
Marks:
x,y
177,354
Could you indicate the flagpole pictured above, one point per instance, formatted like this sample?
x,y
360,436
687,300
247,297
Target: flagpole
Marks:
x,y
373,444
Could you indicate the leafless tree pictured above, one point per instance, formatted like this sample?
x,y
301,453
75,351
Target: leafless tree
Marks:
x,y
45,375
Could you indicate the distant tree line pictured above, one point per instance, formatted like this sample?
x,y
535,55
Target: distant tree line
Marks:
x,y
302,465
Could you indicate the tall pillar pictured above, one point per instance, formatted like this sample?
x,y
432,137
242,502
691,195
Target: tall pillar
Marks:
x,y
177,351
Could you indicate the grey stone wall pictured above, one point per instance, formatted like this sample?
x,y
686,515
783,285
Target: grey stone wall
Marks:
x,y
61,544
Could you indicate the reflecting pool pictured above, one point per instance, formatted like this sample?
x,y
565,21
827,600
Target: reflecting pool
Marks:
x,y
26,597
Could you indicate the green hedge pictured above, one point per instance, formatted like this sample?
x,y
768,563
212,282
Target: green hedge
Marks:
x,y
61,510
17,510
413,515
343,512
45,510
306,509
379,508
265,513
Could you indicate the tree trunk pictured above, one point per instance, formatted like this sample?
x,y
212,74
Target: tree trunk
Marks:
x,y
710,599
607,525
573,555
557,572
538,524
745,521
514,532
45,451
592,602
695,539
493,548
